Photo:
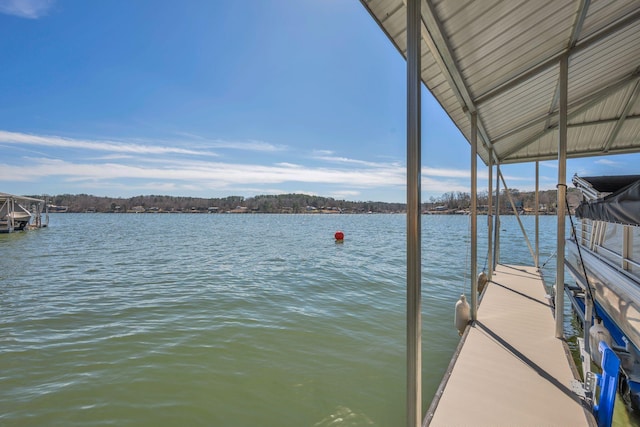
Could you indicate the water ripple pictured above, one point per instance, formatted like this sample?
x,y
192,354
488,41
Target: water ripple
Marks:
x,y
236,320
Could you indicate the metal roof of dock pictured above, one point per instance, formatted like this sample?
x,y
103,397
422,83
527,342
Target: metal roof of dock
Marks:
x,y
501,59
4,196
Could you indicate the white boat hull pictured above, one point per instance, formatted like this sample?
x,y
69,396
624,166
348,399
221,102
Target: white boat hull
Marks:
x,y
614,291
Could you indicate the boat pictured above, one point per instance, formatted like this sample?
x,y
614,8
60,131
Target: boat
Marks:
x,y
14,216
603,256
56,208
21,217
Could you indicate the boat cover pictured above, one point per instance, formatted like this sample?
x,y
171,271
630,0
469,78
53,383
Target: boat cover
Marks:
x,y
622,206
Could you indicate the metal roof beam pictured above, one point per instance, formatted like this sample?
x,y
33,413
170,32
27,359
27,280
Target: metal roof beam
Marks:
x,y
602,122
614,28
461,92
576,125
438,44
553,61
393,12
516,80
577,107
382,27
22,198
431,24
627,108
581,14
574,155
577,25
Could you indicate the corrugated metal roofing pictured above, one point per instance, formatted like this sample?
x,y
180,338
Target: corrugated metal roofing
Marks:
x,y
501,59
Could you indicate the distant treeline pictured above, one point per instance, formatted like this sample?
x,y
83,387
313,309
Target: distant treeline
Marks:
x,y
282,203
525,201
292,203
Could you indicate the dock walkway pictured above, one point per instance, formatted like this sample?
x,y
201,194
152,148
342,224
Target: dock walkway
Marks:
x,y
510,368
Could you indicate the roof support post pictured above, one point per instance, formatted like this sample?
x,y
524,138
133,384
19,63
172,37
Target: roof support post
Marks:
x,y
12,209
414,270
496,229
537,257
562,194
490,219
474,215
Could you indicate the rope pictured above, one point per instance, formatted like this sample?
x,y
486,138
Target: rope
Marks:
x,y
584,269
549,259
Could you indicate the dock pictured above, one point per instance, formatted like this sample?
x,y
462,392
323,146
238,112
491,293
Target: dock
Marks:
x,y
16,217
509,369
502,73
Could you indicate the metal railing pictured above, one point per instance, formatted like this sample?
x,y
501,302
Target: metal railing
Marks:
x,y
591,235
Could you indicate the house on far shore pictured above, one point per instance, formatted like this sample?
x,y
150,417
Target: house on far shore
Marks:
x,y
239,210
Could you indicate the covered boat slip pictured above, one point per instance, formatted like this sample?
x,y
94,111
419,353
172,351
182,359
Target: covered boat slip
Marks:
x,y
14,216
510,369
523,81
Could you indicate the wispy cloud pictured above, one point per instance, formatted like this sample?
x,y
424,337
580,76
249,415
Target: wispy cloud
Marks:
x,y
552,164
608,162
30,9
134,165
146,165
345,194
249,145
446,173
322,153
113,157
288,165
110,146
208,174
433,179
440,186
345,160
195,145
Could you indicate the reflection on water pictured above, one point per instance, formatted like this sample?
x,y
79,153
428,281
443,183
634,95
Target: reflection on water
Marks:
x,y
345,417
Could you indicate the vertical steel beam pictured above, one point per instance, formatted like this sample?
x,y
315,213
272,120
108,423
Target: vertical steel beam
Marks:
x,y
562,194
414,270
12,209
490,219
537,257
496,230
627,246
474,215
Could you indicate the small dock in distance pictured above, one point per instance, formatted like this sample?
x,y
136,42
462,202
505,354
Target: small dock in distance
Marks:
x,y
16,217
509,368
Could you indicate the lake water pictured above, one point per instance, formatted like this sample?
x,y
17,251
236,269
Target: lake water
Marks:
x,y
228,320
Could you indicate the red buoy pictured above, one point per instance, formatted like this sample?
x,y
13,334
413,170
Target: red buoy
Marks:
x,y
339,236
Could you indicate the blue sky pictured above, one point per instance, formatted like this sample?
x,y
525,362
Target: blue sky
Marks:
x,y
216,98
